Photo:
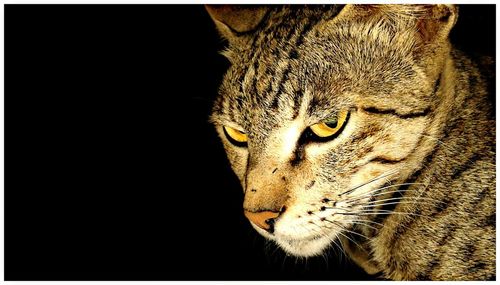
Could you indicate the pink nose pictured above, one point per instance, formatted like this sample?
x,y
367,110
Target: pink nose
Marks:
x,y
263,219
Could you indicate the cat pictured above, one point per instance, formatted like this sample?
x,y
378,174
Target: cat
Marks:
x,y
361,126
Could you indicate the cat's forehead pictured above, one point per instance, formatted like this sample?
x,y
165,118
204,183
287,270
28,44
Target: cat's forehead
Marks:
x,y
268,101
331,63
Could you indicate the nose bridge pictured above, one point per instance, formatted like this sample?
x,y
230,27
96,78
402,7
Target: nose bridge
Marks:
x,y
268,168
266,186
267,193
277,146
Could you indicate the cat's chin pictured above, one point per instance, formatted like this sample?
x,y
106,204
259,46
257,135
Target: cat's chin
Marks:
x,y
304,247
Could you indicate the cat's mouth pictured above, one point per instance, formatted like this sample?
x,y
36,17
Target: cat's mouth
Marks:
x,y
298,244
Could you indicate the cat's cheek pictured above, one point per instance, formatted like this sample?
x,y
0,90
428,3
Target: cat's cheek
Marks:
x,y
238,160
368,173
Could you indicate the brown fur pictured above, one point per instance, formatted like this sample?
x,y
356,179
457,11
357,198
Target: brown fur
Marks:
x,y
420,115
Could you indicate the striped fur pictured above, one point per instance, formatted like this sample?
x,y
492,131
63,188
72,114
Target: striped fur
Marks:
x,y
408,186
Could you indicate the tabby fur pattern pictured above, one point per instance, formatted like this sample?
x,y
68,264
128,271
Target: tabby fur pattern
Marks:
x,y
408,186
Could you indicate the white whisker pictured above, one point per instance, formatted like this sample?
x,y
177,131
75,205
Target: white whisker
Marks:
x,y
380,212
383,175
383,188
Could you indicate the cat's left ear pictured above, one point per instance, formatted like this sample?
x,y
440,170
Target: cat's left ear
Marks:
x,y
236,21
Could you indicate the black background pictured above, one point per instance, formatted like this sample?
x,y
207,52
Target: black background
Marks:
x,y
112,171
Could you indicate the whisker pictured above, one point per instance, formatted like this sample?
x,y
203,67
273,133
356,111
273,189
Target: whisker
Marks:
x,y
362,224
356,233
369,221
347,237
394,203
379,203
357,244
383,188
332,240
391,172
343,228
380,212
408,198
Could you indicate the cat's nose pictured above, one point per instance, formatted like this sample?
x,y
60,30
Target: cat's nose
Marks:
x,y
264,219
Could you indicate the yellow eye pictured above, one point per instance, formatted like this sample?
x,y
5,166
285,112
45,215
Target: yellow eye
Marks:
x,y
331,126
234,136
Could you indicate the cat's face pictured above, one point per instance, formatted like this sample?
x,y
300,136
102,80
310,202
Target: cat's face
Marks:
x,y
318,126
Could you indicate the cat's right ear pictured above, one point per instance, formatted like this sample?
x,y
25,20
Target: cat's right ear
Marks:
x,y
235,21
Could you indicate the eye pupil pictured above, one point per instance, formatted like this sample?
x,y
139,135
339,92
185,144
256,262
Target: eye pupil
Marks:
x,y
332,123
329,129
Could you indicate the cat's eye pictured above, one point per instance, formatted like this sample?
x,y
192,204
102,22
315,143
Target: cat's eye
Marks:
x,y
331,126
235,136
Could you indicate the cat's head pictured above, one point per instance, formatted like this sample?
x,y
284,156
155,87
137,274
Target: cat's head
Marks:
x,y
325,108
